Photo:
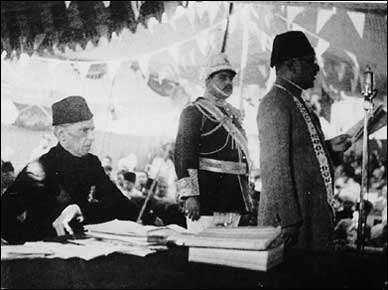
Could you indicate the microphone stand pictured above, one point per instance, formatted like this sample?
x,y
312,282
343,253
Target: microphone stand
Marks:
x,y
369,93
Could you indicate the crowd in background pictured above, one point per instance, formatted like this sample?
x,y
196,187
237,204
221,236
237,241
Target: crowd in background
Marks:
x,y
159,177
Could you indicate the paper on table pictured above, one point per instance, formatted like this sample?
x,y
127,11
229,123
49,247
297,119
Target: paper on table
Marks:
x,y
86,249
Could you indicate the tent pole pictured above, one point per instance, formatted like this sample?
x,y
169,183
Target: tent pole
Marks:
x,y
223,47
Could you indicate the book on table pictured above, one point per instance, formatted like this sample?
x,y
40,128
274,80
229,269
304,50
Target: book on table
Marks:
x,y
256,248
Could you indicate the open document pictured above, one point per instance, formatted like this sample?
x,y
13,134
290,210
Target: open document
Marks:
x,y
377,120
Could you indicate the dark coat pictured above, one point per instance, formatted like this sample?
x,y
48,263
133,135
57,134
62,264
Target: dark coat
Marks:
x,y
218,191
293,191
46,186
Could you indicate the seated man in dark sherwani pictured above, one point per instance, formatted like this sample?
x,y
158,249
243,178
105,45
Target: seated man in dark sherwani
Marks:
x,y
211,154
64,188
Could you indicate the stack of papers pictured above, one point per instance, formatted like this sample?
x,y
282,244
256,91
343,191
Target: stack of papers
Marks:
x,y
134,234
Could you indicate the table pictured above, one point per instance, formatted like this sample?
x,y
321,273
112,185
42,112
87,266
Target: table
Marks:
x,y
170,269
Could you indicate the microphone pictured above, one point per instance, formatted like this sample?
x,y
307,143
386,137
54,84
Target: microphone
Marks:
x,y
368,88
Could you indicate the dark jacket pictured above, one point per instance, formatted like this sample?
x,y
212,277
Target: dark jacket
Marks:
x,y
293,191
218,191
46,186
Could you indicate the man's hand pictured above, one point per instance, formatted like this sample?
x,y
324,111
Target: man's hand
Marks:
x,y
61,224
290,235
191,205
340,143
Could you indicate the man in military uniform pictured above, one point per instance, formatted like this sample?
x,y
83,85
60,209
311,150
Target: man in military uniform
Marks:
x,y
64,188
211,155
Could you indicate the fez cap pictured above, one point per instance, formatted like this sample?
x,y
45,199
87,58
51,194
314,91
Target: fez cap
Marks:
x,y
72,109
289,45
130,176
218,62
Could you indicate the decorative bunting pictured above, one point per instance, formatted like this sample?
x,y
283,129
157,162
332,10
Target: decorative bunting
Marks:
x,y
190,15
212,10
103,41
358,20
67,4
112,68
202,41
292,12
321,47
201,8
164,18
144,65
297,27
135,9
83,68
38,40
323,17
151,24
174,51
106,3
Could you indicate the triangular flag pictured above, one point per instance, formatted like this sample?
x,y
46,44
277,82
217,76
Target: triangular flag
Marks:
x,y
103,41
201,9
135,9
358,20
190,15
90,46
174,51
151,24
213,8
297,27
78,47
38,40
112,68
323,17
254,13
106,3
321,47
202,41
67,4
144,65
83,68
164,18
292,12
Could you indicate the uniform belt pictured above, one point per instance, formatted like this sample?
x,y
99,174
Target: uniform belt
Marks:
x,y
221,166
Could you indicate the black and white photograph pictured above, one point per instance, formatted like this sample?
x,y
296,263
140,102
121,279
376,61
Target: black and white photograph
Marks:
x,y
193,145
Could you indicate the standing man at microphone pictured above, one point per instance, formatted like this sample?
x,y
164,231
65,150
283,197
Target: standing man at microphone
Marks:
x,y
296,161
211,155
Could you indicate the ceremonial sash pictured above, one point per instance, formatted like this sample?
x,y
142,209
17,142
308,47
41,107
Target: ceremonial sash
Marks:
x,y
227,123
318,149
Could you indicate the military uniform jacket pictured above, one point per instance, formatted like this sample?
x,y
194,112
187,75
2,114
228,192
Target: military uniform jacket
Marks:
x,y
46,186
293,191
202,137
